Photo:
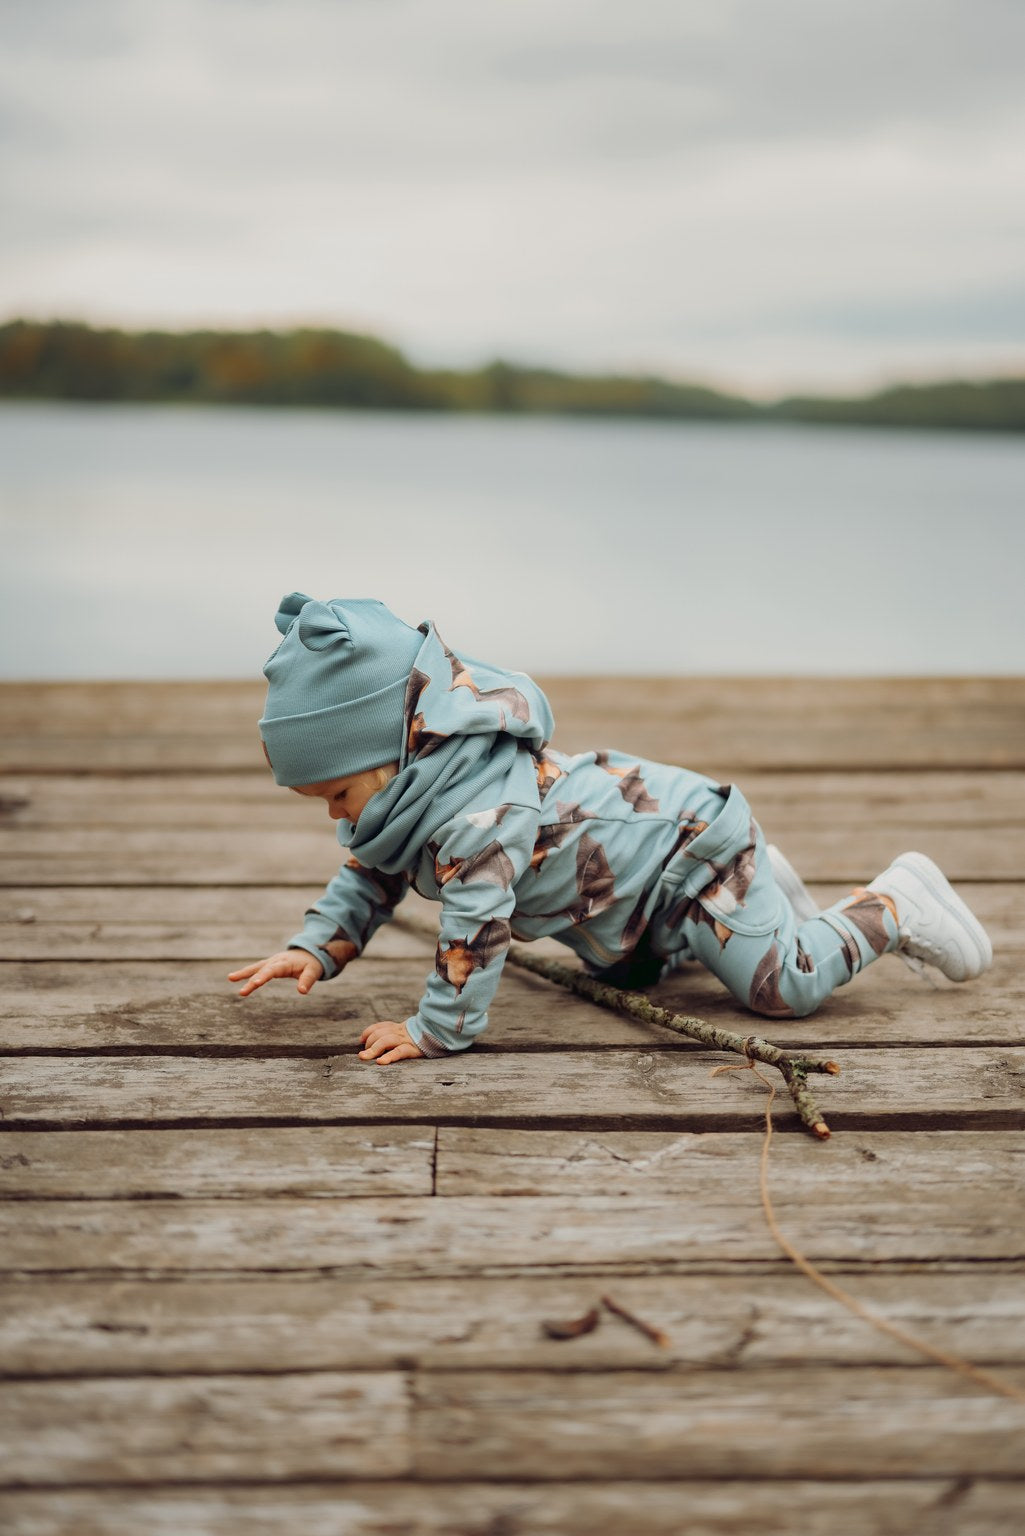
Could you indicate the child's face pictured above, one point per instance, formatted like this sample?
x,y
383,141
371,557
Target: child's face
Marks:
x,y
346,797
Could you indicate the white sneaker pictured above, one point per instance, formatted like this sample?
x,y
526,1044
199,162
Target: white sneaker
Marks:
x,y
935,925
792,886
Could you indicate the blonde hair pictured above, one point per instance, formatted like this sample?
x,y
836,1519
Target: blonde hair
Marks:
x,y
384,775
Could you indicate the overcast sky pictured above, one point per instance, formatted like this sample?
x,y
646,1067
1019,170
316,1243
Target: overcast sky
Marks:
x,y
768,194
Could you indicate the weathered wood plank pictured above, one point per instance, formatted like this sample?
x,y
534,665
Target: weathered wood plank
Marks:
x,y
859,1168
593,1426
145,856
483,1234
942,1506
783,802
893,1422
981,1086
53,1326
181,1006
220,929
308,856
350,1161
181,1429
719,724
340,1161
219,940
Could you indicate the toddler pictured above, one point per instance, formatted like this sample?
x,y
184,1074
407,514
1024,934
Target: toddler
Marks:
x,y
438,772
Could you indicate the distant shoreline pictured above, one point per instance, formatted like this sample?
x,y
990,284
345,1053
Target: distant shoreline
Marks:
x,y
71,361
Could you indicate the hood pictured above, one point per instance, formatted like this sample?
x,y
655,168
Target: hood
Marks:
x,y
469,731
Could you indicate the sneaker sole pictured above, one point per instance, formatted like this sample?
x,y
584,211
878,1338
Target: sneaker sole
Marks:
x,y
940,888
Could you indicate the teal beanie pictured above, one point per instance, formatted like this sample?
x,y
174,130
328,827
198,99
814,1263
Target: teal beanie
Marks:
x,y
336,688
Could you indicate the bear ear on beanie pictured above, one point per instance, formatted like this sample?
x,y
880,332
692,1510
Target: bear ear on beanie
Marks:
x,y
289,609
321,625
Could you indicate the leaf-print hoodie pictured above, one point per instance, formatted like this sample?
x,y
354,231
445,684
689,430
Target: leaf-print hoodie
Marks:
x,y
513,839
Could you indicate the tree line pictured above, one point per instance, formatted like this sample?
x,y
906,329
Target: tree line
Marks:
x,y
67,360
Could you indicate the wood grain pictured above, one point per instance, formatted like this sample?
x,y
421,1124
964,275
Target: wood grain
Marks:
x,y
943,1506
190,1006
792,801
696,1423
893,1422
490,1234
341,1161
190,1428
979,1085
720,725
755,1313
250,1284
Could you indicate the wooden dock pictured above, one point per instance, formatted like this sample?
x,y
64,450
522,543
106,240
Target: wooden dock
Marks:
x,y
250,1284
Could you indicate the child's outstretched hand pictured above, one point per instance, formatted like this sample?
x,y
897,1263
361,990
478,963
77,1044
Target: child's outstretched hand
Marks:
x,y
385,1042
306,968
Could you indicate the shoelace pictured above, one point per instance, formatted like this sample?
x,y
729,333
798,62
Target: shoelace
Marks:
x,y
920,969
916,963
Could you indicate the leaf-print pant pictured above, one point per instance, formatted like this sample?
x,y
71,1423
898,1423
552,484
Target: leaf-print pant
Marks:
x,y
720,904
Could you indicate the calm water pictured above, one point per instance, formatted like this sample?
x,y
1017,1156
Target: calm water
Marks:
x,y
155,542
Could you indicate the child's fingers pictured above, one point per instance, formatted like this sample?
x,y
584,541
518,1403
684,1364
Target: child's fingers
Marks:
x,y
252,985
311,973
248,970
380,1037
386,1043
398,1031
399,1053
266,971
373,1048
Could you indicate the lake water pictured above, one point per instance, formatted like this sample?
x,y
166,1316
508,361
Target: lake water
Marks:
x,y
156,541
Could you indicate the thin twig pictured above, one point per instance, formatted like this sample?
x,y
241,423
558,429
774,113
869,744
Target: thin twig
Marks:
x,y
654,1334
945,1357
794,1069
635,1005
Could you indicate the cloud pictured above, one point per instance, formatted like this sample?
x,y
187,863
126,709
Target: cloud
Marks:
x,y
585,181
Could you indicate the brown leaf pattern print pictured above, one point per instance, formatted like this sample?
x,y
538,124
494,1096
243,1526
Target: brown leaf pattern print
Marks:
x,y
595,882
690,908
690,827
414,719
420,742
510,699
457,963
865,910
548,773
765,996
635,925
805,962
631,786
553,834
727,893
492,865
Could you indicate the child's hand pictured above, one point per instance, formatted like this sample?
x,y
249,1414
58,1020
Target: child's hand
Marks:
x,y
386,1042
306,968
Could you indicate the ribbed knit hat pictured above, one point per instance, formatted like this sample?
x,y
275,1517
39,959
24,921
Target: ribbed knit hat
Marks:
x,y
336,686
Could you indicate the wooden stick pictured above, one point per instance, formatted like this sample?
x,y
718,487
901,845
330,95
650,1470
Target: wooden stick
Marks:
x,y
654,1334
635,1005
794,1069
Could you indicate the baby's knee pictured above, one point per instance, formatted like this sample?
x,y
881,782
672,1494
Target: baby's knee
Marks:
x,y
785,991
799,1009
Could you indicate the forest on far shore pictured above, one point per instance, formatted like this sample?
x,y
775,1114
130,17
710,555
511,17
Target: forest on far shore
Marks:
x,y
67,360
